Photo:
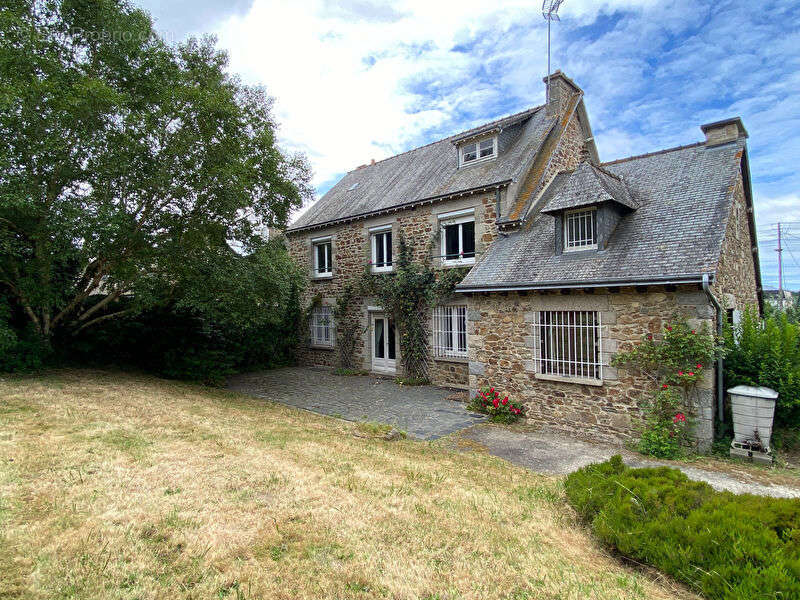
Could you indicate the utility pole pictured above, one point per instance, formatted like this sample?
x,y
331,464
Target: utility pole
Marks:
x,y
780,269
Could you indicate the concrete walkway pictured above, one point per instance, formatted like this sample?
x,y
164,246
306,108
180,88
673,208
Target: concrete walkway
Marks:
x,y
423,412
557,454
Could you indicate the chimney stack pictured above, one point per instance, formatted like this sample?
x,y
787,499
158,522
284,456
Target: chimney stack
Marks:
x,y
722,132
561,89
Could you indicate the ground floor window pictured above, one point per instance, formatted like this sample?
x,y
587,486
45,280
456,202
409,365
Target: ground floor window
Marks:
x,y
450,331
322,326
570,344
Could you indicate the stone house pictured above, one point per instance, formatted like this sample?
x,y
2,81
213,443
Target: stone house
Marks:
x,y
571,259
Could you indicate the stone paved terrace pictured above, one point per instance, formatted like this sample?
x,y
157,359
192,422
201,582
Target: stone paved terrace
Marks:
x,y
423,412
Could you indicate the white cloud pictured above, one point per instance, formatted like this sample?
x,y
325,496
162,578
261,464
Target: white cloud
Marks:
x,y
330,101
340,110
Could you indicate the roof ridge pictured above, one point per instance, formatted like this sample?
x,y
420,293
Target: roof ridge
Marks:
x,y
647,154
530,110
597,167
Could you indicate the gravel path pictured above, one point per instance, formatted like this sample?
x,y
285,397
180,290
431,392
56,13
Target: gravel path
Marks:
x,y
421,411
557,454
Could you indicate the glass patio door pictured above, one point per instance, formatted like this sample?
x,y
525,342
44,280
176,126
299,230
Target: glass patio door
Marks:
x,y
384,349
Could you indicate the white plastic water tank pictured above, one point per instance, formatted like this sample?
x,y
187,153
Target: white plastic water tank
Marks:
x,y
753,411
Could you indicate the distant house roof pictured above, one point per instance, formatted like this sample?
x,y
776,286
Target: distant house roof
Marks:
x,y
586,186
431,171
682,197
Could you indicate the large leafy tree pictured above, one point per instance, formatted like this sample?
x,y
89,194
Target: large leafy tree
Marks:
x,y
127,165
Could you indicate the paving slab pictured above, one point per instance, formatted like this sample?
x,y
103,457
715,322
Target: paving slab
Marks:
x,y
423,412
557,454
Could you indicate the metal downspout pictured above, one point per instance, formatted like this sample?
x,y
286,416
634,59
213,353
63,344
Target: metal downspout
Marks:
x,y
497,201
720,395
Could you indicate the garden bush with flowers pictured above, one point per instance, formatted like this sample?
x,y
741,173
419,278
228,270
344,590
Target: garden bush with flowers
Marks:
x,y
674,361
499,408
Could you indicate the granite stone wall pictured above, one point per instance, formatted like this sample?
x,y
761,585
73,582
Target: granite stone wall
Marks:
x,y
735,284
504,347
351,254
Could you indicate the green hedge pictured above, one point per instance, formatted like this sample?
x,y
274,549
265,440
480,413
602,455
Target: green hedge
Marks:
x,y
721,544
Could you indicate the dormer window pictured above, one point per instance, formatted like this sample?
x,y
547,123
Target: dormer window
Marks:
x,y
478,151
580,229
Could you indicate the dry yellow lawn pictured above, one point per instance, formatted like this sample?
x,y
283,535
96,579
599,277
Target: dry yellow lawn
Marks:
x,y
127,486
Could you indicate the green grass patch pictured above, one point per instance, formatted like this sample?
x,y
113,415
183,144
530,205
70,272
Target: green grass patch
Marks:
x,y
369,429
126,441
726,546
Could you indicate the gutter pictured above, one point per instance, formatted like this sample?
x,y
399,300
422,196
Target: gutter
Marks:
x,y
597,283
720,363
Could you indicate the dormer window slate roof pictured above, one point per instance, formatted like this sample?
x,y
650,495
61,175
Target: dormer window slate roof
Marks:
x,y
588,185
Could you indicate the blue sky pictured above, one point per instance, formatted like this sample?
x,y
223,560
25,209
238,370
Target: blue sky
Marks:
x,y
361,79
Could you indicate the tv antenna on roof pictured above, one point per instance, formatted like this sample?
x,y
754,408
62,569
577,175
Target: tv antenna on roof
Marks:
x,y
550,13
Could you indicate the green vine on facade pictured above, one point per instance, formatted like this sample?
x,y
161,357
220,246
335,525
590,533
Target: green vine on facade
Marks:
x,y
408,294
347,327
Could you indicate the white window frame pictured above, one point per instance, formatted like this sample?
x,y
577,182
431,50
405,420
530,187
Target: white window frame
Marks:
x,y
323,328
374,234
462,150
446,321
569,345
588,215
457,218
315,243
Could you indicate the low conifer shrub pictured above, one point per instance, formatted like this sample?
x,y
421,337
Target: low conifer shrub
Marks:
x,y
725,546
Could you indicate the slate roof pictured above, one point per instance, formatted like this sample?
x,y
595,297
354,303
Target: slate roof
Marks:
x,y
429,172
676,233
586,186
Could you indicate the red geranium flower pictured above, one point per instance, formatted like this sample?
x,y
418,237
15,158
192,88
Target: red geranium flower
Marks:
x,y
679,418
693,332
691,374
505,400
496,403
665,386
669,328
680,373
699,366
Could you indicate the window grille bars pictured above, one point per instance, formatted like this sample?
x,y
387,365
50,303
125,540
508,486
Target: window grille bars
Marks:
x,y
570,344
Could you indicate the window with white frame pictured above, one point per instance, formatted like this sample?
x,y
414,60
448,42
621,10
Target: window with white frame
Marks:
x,y
477,151
570,344
450,331
580,229
322,326
458,237
323,263
381,240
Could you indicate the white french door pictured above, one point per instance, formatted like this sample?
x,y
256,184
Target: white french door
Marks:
x,y
384,344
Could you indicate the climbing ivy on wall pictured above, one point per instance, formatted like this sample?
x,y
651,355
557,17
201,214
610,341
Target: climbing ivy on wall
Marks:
x,y
408,294
347,327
